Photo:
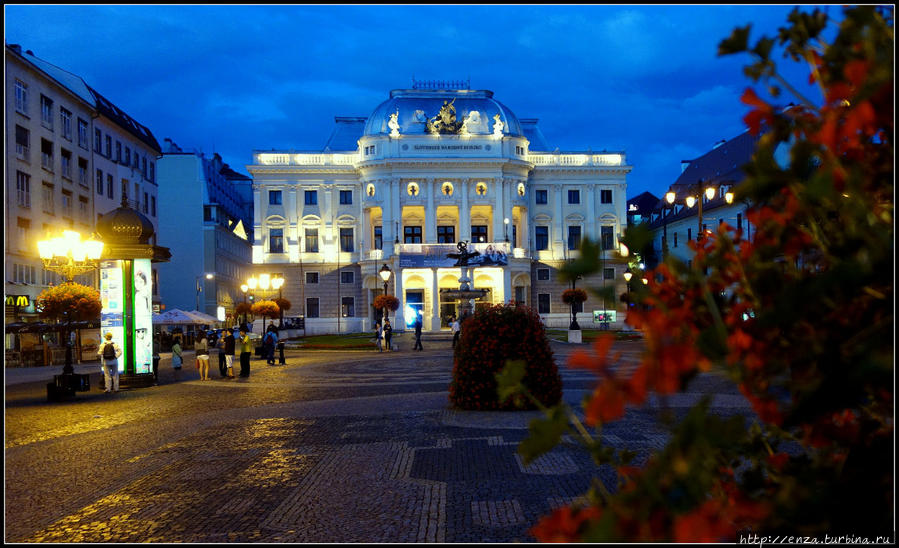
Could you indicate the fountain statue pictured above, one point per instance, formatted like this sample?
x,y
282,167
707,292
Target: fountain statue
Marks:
x,y
465,294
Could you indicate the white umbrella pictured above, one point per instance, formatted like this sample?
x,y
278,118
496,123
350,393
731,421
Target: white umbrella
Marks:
x,y
202,317
175,317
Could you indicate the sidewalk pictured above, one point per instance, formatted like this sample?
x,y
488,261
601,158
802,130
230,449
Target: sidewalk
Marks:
x,y
44,373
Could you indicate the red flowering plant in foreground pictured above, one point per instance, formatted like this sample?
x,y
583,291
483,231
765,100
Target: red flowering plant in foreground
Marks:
x,y
799,317
69,302
489,338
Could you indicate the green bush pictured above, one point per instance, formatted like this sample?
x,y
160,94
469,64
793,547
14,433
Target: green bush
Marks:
x,y
492,336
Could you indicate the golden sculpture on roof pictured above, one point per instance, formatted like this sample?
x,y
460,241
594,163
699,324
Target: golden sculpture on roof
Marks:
x,y
445,121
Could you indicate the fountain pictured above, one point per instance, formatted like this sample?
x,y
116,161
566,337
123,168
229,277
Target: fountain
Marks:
x,y
465,294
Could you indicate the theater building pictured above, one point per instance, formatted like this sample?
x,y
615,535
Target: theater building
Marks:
x,y
433,166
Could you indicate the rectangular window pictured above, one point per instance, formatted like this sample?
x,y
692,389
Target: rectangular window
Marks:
x,y
274,197
98,141
99,182
347,307
127,156
346,240
108,146
23,189
574,237
153,205
310,197
605,196
574,196
347,276
514,235
542,274
82,172
478,233
22,97
136,158
541,234
606,240
543,303
312,277
67,204
118,151
689,234
276,240
146,203
540,196
208,214
23,143
312,307
22,227
23,274
82,134
346,197
412,235
47,155
48,196
379,238
47,112
65,163
739,221
675,239
143,167
608,273
446,234
109,187
152,172
65,118
84,209
311,240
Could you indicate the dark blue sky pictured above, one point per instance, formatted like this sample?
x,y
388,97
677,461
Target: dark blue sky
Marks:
x,y
234,79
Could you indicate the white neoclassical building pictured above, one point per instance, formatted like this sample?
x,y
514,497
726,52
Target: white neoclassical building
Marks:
x,y
431,167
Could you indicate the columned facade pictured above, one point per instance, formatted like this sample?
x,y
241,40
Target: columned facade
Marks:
x,y
428,169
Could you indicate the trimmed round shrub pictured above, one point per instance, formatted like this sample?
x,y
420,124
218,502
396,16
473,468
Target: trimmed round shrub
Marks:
x,y
489,338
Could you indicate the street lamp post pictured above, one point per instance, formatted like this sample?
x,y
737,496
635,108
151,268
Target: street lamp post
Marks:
x,y
276,284
669,197
506,228
70,256
244,288
208,276
709,194
385,275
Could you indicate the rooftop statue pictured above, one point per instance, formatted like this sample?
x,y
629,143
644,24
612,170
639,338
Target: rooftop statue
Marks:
x,y
445,121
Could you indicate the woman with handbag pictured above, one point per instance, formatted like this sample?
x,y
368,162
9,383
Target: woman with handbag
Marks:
x,y
202,347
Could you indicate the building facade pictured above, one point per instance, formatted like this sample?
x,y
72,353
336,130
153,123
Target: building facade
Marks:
x,y
431,167
206,222
62,168
676,223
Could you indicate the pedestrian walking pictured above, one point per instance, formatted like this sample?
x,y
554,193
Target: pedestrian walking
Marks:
x,y
268,345
229,353
246,350
177,354
281,352
454,326
388,332
109,353
202,350
417,335
220,344
379,335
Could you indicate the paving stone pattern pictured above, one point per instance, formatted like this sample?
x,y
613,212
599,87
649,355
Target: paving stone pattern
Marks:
x,y
332,447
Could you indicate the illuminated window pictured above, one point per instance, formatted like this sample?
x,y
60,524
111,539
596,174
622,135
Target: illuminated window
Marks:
x,y
412,189
276,240
481,189
311,240
370,189
447,189
521,189
347,307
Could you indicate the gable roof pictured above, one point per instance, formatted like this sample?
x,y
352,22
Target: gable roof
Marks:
x,y
346,133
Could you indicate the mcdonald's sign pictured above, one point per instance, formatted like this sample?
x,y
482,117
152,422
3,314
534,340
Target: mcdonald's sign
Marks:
x,y
21,301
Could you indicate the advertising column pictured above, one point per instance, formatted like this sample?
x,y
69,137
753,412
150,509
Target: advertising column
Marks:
x,y
112,316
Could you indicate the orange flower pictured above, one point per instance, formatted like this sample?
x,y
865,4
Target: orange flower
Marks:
x,y
565,524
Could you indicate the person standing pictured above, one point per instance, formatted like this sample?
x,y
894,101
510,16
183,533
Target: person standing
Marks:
x,y
202,349
379,335
229,353
220,344
388,331
281,352
454,326
109,353
417,334
176,354
246,350
268,347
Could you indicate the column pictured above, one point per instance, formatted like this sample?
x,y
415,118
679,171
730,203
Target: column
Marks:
x,y
464,213
395,193
498,209
364,231
507,285
383,187
590,219
507,210
430,214
401,295
435,302
558,245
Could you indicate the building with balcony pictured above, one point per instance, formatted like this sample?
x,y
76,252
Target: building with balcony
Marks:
x,y
207,219
431,167
63,168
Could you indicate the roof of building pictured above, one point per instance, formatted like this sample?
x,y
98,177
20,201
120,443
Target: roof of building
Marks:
x,y
80,88
534,135
346,133
414,107
642,203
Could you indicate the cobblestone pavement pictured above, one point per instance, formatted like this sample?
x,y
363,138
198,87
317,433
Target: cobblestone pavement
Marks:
x,y
332,447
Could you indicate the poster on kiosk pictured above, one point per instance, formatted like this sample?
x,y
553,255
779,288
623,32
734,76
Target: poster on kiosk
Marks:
x,y
126,295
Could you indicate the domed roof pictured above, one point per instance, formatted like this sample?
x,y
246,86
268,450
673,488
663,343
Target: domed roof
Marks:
x,y
415,107
125,226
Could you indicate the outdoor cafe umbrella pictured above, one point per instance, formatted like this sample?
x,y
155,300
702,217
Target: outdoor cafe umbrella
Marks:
x,y
202,317
175,317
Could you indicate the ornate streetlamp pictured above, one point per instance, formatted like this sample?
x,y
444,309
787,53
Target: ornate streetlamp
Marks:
x,y
384,273
208,276
669,197
69,256
709,194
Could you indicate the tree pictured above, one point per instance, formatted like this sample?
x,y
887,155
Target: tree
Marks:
x,y
66,303
800,317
